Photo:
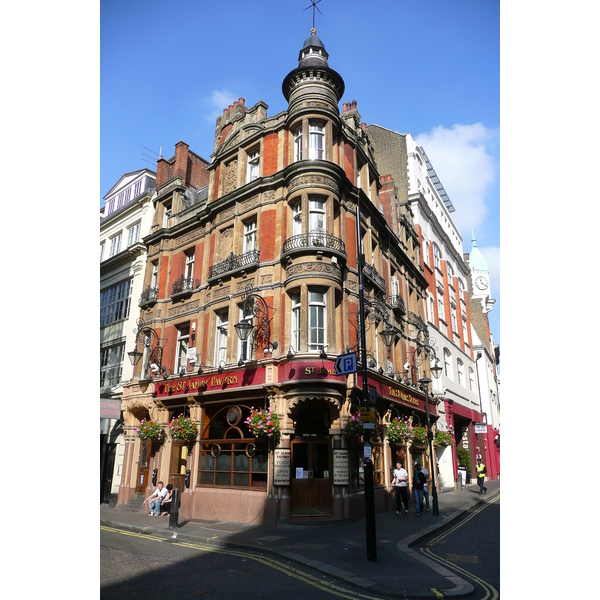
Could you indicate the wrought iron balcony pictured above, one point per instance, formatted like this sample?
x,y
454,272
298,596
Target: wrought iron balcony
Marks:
x,y
398,304
314,239
183,285
374,277
149,295
234,262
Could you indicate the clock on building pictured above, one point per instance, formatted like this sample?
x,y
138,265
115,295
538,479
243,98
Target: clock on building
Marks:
x,y
481,283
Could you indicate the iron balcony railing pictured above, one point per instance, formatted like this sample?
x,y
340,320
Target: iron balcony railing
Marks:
x,y
398,303
315,239
150,294
374,276
234,262
183,285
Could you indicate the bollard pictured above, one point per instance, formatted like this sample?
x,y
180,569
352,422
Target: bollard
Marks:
x,y
174,514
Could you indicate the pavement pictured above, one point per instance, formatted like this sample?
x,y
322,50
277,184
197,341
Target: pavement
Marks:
x,y
337,550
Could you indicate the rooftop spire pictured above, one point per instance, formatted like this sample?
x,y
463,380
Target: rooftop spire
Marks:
x,y
314,5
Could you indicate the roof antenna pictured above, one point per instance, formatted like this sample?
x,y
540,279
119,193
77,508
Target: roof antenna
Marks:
x,y
314,5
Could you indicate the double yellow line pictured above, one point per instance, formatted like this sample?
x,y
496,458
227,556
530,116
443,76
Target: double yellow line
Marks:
x,y
490,591
266,561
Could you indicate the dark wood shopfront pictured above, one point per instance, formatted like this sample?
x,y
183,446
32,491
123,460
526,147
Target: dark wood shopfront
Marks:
x,y
311,494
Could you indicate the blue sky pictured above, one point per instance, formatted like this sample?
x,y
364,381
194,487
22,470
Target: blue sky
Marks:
x,y
431,69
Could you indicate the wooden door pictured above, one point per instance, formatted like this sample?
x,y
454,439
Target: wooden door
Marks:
x,y
311,494
143,466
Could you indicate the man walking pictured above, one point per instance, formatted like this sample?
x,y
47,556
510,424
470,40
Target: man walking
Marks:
x,y
419,482
400,482
481,473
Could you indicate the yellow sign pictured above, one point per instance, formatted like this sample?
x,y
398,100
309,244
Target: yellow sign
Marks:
x,y
367,415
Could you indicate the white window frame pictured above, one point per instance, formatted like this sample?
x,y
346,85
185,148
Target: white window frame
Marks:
x,y
448,371
430,308
190,257
296,320
221,337
154,278
250,229
465,331
298,144
133,234
471,380
115,302
111,365
437,256
317,218
317,319
167,215
245,346
102,251
297,218
253,166
453,318
115,244
440,303
426,253
460,370
183,343
316,141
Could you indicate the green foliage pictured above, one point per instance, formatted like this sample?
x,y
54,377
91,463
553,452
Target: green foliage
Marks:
x,y
400,431
151,430
183,429
420,436
463,458
443,438
263,423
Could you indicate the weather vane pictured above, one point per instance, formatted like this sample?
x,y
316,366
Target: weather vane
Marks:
x,y
314,5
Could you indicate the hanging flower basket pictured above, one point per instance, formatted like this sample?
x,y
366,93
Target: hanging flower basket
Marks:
x,y
183,429
354,428
400,431
419,437
151,430
263,423
443,438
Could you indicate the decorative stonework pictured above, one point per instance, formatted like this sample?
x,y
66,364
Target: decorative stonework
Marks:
x,y
226,214
221,292
313,181
188,237
314,267
184,308
230,179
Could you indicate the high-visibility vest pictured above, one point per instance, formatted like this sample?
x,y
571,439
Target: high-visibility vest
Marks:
x,y
480,470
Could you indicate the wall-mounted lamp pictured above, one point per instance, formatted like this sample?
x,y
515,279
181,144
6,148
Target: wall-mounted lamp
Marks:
x,y
150,344
323,353
290,353
255,306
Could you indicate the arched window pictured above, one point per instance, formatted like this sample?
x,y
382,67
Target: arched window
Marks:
x,y
460,368
448,364
437,256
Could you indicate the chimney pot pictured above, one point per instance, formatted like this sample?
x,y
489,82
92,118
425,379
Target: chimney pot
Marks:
x,y
242,101
353,104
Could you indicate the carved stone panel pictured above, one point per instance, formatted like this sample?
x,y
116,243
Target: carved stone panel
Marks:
x,y
230,182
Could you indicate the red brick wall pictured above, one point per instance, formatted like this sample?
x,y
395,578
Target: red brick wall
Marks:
x,y
270,154
164,274
267,235
349,162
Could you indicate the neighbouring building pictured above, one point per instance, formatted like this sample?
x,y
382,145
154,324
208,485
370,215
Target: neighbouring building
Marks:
x,y
451,311
125,218
251,293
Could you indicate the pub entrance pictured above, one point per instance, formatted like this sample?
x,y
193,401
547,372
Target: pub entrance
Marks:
x,y
311,491
311,488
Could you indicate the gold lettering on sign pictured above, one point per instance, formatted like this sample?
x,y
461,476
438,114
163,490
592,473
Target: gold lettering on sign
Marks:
x,y
403,396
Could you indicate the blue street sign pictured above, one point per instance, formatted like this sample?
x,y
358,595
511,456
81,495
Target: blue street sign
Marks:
x,y
346,363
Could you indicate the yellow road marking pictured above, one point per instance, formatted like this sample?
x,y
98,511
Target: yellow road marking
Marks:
x,y
268,562
490,591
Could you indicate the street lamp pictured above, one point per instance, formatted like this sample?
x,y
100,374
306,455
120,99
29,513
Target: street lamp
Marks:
x,y
255,306
150,340
436,370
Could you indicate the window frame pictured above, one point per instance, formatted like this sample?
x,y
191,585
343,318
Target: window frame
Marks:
x,y
106,354
250,235
221,337
316,140
115,244
320,309
297,133
296,300
133,232
183,337
115,302
253,165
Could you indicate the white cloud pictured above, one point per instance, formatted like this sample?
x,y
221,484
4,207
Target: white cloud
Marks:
x,y
492,258
464,160
218,100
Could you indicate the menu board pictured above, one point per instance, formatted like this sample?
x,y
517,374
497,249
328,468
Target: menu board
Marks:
x,y
341,468
281,466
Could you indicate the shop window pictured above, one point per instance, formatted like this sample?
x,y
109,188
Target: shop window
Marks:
x,y
229,457
357,463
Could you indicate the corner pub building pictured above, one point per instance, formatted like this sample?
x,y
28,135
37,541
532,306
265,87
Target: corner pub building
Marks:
x,y
266,235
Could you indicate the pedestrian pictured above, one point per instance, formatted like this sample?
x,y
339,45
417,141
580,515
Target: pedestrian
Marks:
x,y
158,494
165,505
425,488
400,483
481,473
418,483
